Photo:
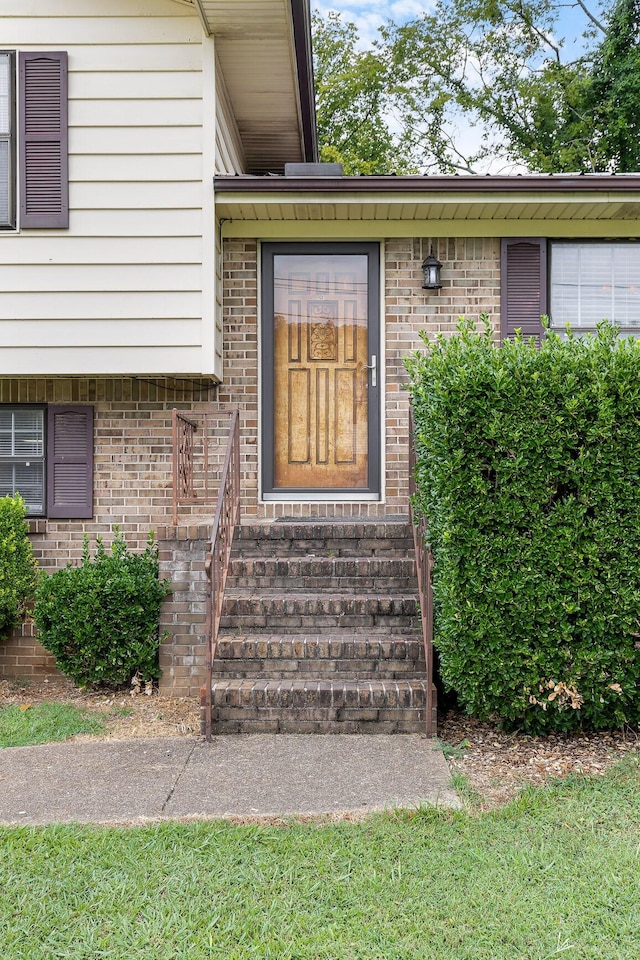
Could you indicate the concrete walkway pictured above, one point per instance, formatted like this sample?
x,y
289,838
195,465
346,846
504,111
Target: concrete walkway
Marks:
x,y
257,775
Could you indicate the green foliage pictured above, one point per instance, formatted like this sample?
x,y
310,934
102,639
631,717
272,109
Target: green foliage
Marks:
x,y
100,619
17,564
528,472
542,101
355,91
498,64
45,723
615,91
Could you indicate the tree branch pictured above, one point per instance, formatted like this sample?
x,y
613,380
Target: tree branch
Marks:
x,y
591,17
520,12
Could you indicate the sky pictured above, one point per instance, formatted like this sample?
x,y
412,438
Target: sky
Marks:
x,y
369,15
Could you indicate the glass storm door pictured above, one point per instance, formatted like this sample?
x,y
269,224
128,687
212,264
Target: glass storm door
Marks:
x,y
321,369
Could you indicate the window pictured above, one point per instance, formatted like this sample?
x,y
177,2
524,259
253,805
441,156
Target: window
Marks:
x,y
35,136
583,283
6,139
22,456
591,282
46,455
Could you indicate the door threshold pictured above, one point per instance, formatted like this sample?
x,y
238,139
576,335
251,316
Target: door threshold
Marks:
x,y
319,498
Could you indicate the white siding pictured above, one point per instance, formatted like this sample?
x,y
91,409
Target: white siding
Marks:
x,y
229,159
219,303
130,287
229,153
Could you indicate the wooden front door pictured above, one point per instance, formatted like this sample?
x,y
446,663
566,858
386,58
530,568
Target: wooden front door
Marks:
x,y
321,369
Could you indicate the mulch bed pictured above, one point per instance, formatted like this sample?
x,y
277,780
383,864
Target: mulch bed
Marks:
x,y
498,764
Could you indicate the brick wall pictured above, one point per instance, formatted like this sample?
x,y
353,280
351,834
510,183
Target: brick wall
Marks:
x,y
471,286
132,480
21,656
471,278
133,441
183,551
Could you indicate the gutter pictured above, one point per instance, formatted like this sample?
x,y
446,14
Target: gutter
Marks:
x,y
301,15
203,18
480,183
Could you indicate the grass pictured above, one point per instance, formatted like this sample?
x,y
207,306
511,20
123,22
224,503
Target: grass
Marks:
x,y
556,873
44,723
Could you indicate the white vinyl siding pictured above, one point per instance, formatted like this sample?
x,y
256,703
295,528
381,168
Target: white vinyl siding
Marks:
x,y
122,291
591,282
229,154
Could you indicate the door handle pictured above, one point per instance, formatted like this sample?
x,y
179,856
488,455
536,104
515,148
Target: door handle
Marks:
x,y
373,366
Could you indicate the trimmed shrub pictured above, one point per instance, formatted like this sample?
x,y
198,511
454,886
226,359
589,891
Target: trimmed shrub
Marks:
x,y
100,619
17,564
528,471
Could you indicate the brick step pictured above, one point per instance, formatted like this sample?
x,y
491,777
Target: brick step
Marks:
x,y
320,656
290,613
320,630
318,706
300,539
382,574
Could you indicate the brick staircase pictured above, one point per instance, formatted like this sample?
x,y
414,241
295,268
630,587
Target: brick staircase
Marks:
x,y
320,631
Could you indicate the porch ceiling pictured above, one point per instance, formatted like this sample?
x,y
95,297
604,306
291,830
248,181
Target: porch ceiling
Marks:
x,y
476,206
264,49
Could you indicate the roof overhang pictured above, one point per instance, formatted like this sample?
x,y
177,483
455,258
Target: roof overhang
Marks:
x,y
598,205
264,50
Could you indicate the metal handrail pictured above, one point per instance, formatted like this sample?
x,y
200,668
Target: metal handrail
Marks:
x,y
184,460
225,521
424,567
183,431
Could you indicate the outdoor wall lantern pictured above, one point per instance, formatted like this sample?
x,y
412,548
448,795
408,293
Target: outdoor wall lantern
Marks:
x,y
431,268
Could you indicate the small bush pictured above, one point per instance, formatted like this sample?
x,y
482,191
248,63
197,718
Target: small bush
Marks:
x,y
529,475
17,564
100,619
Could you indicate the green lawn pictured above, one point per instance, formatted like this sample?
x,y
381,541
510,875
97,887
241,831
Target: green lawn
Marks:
x,y
44,723
554,874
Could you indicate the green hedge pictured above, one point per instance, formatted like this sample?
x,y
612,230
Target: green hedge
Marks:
x,y
529,474
17,564
100,619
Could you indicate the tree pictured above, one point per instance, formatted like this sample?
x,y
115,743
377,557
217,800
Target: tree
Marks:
x,y
615,91
499,66
354,101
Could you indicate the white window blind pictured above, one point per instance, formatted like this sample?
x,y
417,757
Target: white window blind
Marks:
x,y
5,138
591,282
22,456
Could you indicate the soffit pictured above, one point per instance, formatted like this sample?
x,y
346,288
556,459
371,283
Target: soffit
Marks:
x,y
256,49
537,200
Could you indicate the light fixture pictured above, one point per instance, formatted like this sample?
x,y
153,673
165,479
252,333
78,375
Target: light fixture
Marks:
x,y
431,267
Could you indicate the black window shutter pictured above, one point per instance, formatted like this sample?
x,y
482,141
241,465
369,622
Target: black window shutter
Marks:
x,y
43,148
523,283
70,462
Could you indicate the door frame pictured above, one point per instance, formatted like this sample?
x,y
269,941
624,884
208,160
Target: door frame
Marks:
x,y
373,490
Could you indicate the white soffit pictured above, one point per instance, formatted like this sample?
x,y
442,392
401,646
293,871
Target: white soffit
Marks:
x,y
411,207
255,47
